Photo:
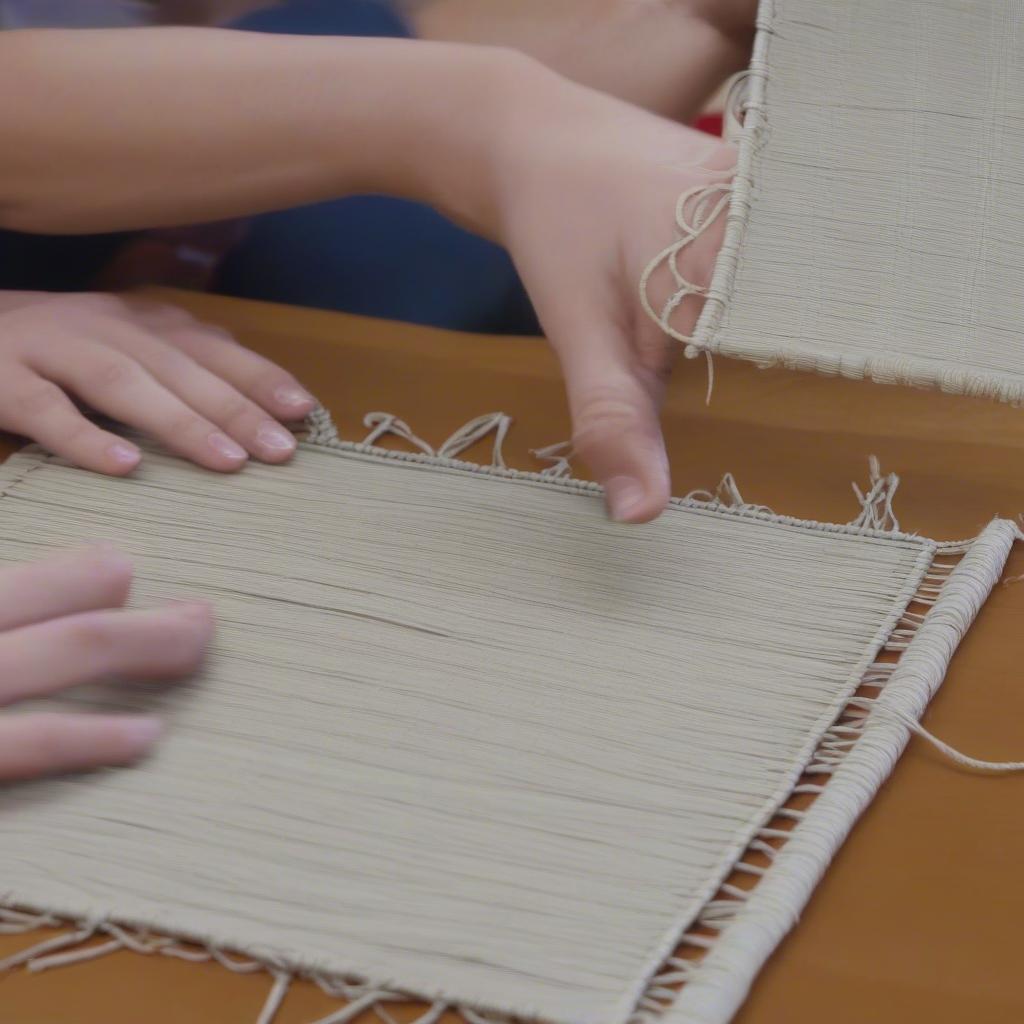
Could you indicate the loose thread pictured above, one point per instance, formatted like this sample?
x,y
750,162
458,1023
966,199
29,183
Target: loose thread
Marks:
x,y
50,945
475,430
275,998
737,101
727,495
559,455
692,352
381,423
876,504
353,1010
693,218
950,752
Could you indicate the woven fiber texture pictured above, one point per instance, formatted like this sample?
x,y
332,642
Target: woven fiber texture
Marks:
x,y
462,736
877,214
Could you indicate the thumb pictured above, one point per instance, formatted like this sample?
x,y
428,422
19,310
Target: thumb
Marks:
x,y
616,428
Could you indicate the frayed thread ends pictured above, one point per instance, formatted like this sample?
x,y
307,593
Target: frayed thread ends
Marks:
x,y
876,503
78,946
769,843
727,495
381,423
949,752
696,210
476,430
877,514
559,456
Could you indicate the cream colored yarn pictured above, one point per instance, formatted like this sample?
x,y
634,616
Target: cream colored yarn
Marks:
x,y
875,221
461,737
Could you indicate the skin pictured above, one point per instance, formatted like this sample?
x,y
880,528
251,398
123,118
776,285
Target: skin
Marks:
x,y
62,623
578,185
152,367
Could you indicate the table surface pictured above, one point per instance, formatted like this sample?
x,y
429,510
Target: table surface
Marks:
x,y
918,918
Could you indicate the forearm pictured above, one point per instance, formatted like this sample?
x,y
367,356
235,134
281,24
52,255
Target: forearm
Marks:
x,y
153,127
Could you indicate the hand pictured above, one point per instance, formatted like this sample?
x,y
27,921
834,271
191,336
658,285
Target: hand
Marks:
x,y
585,197
62,624
152,367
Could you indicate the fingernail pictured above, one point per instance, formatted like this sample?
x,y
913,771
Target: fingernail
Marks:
x,y
124,454
141,733
624,496
294,397
223,445
275,438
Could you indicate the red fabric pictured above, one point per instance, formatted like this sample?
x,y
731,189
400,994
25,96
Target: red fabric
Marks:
x,y
710,123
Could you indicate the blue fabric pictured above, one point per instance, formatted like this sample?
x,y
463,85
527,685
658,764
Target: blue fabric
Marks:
x,y
373,255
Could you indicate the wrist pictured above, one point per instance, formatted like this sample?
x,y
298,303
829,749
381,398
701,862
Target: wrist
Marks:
x,y
455,148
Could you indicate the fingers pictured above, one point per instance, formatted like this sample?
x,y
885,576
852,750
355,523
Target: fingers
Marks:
x,y
39,409
56,631
207,393
154,368
616,428
50,656
37,745
257,378
66,584
117,385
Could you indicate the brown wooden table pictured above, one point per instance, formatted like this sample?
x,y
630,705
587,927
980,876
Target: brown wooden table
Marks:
x,y
920,917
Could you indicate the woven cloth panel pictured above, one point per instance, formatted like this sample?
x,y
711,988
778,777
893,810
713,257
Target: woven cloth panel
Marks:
x,y
463,737
877,218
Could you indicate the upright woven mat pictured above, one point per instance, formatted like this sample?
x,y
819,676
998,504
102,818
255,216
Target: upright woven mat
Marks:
x,y
876,225
462,738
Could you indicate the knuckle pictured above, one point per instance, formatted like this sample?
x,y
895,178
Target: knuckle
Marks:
x,y
166,361
186,425
654,356
39,400
94,641
601,413
233,410
110,374
49,739
77,429
192,337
